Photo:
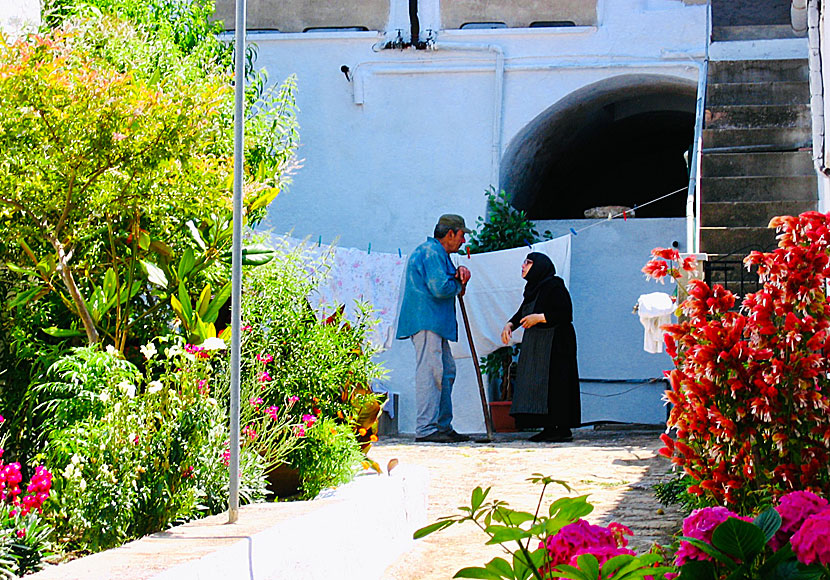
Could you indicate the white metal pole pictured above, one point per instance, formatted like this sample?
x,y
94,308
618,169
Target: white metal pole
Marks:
x,y
236,278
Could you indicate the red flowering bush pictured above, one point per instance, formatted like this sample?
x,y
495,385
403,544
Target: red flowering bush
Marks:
x,y
749,391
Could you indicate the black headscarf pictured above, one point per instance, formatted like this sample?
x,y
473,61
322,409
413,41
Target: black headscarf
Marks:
x,y
540,272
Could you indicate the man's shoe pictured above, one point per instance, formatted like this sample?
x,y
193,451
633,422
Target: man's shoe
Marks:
x,y
436,437
552,436
458,437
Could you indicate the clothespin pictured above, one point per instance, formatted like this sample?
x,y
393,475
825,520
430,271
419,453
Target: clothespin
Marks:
x,y
319,241
369,251
573,231
528,244
468,252
625,217
399,253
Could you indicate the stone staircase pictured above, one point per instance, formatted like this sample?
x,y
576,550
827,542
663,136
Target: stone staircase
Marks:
x,y
756,159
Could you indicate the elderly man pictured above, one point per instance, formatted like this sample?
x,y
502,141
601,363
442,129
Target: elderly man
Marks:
x,y
428,317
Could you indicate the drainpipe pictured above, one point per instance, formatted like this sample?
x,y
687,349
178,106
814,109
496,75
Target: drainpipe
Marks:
x,y
816,85
693,201
414,25
498,96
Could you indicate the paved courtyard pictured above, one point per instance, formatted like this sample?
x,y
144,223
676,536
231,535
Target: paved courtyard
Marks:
x,y
615,467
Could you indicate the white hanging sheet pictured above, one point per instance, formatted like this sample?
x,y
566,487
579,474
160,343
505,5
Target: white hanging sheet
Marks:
x,y
494,292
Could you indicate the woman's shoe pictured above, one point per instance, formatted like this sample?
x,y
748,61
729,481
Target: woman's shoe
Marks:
x,y
552,436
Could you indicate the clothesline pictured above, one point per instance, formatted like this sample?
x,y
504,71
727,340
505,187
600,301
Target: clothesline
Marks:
x,y
622,213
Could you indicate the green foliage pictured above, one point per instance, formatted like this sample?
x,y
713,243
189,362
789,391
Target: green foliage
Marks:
x,y
505,228
320,363
674,492
329,456
140,461
523,536
738,550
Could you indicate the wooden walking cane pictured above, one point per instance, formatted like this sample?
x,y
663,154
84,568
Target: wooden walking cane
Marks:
x,y
488,420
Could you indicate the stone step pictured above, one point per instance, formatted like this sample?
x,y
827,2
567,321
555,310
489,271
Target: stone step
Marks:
x,y
726,189
749,214
757,116
758,71
762,93
768,138
736,240
729,33
784,164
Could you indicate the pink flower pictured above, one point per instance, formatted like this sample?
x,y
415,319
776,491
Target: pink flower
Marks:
x,y
272,412
21,533
810,542
794,508
299,431
264,358
581,538
309,420
264,377
249,431
700,525
293,399
255,401
2,419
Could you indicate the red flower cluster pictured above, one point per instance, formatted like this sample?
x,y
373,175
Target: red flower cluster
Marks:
x,y
749,391
658,268
37,490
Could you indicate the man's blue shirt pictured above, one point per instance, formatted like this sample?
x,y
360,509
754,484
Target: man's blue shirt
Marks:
x,y
429,293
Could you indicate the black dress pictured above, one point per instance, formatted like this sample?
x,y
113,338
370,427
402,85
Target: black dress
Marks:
x,y
546,390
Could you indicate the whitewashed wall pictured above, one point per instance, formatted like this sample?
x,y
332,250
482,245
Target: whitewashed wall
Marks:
x,y
411,135
17,16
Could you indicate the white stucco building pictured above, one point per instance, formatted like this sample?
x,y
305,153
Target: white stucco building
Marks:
x,y
566,105
18,16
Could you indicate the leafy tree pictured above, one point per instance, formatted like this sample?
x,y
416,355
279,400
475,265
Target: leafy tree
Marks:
x,y
86,151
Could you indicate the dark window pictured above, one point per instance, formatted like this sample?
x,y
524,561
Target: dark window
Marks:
x,y
336,29
482,25
552,23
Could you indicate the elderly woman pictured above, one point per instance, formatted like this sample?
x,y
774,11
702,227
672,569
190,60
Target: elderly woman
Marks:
x,y
546,391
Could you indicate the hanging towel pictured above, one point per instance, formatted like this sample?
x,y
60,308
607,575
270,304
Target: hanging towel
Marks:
x,y
353,276
495,291
655,310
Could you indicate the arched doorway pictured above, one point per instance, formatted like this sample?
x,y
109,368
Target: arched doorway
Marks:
x,y
619,141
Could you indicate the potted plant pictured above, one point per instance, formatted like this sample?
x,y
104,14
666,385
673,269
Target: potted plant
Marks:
x,y
505,228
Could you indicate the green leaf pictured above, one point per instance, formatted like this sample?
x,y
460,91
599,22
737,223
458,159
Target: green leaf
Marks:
x,y
264,199
63,332
514,518
204,300
212,312
186,264
254,255
568,571
196,234
589,564
743,540
501,567
570,508
502,534
155,275
184,299
477,573
110,284
714,552
769,521
23,297
22,271
521,570
144,241
697,570
427,530
477,497
616,564
161,248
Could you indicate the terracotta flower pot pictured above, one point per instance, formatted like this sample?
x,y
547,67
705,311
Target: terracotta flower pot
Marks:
x,y
284,481
502,421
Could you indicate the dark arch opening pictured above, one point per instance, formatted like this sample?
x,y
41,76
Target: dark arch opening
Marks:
x,y
620,141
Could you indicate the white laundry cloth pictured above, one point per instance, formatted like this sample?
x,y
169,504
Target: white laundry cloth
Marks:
x,y
655,310
355,276
495,292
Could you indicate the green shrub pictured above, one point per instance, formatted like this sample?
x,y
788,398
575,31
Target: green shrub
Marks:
x,y
330,456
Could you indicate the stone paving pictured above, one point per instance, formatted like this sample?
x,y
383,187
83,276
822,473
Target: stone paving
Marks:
x,y
615,467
